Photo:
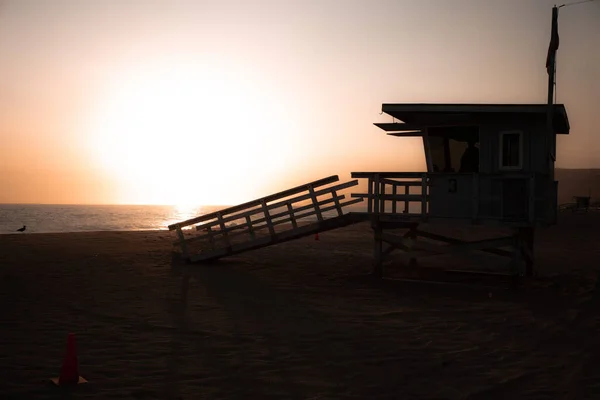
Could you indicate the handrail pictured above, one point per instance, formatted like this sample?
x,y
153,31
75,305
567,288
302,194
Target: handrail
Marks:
x,y
278,204
378,196
255,203
245,211
243,228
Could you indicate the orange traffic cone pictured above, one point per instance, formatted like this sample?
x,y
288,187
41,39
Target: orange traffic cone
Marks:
x,y
69,372
316,236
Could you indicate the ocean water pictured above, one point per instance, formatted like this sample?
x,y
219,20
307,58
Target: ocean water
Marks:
x,y
42,218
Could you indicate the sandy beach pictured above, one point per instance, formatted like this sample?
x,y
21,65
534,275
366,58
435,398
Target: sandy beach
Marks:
x,y
299,320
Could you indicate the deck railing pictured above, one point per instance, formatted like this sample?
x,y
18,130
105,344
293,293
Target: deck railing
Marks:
x,y
266,213
390,193
380,183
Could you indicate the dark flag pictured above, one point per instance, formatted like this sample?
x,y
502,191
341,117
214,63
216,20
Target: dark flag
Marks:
x,y
553,41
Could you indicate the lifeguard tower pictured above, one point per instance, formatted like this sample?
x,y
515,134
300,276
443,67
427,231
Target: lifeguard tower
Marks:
x,y
487,164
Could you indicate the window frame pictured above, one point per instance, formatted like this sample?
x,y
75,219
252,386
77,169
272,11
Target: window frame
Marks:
x,y
501,151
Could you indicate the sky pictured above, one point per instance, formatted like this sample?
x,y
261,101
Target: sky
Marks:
x,y
222,101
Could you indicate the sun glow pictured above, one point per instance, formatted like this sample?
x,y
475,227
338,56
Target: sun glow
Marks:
x,y
188,136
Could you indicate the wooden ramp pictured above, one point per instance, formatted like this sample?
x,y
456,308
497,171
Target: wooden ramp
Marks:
x,y
301,211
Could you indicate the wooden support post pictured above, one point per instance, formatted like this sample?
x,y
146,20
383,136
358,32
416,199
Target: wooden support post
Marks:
x,y
336,200
516,260
376,195
182,243
211,237
382,191
412,234
292,216
377,251
250,227
224,231
370,196
394,202
268,218
531,204
406,192
315,203
424,195
526,240
475,205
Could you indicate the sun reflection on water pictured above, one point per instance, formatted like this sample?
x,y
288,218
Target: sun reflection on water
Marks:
x,y
183,212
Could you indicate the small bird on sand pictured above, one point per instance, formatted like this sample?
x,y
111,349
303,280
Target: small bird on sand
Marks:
x,y
22,229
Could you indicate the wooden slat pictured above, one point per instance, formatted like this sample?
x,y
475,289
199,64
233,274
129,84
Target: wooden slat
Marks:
x,y
406,193
268,218
408,217
475,200
424,195
449,240
394,197
255,227
284,221
396,175
222,226
292,216
430,249
313,198
307,230
269,207
369,195
317,193
283,203
406,134
376,194
400,183
250,228
257,202
387,174
382,201
483,245
398,127
336,200
304,208
531,204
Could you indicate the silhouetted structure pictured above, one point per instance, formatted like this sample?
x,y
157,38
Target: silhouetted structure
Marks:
x,y
513,184
508,181
284,216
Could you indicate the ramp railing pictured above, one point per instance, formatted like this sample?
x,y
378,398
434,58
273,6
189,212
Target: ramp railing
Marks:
x,y
262,217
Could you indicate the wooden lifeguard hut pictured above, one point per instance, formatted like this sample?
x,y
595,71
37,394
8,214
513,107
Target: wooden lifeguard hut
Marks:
x,y
487,164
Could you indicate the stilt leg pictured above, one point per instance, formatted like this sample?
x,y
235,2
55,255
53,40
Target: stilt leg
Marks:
x,y
526,241
377,252
516,262
412,261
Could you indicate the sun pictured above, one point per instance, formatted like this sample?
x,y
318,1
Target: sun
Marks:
x,y
183,135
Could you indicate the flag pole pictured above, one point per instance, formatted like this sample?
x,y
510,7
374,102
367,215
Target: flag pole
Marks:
x,y
551,61
551,69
